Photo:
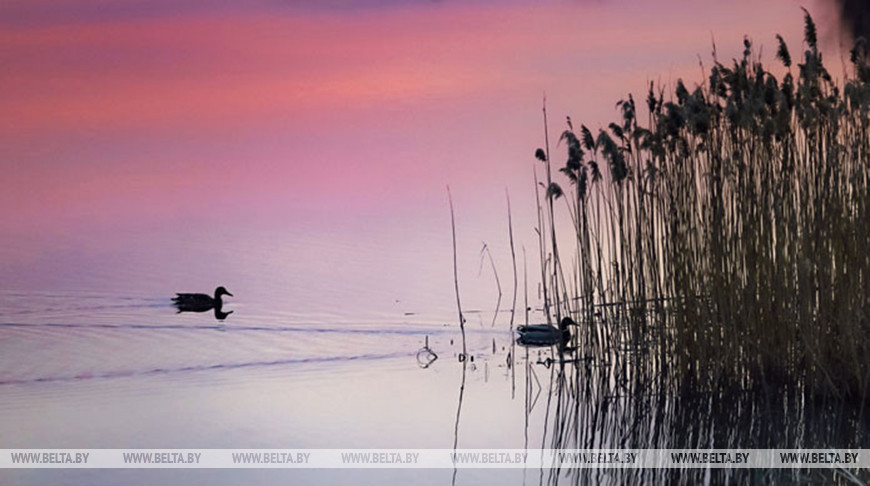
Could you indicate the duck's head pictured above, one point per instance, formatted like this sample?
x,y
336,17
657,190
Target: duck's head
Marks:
x,y
565,322
218,292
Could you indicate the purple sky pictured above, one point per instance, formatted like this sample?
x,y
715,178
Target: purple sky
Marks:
x,y
136,113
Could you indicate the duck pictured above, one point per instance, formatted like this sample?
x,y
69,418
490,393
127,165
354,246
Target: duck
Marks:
x,y
545,334
201,302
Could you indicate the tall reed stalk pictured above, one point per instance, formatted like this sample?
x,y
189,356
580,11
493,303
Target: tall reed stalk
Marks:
x,y
725,242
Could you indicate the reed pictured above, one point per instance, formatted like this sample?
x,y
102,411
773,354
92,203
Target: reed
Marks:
x,y
723,242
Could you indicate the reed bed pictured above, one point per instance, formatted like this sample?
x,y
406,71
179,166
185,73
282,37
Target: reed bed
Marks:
x,y
723,243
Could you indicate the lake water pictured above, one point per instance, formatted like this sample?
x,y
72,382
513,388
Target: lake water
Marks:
x,y
311,357
110,367
114,370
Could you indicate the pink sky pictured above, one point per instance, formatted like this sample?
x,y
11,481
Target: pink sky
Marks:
x,y
136,113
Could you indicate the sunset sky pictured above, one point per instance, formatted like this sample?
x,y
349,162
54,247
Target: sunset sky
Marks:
x,y
154,114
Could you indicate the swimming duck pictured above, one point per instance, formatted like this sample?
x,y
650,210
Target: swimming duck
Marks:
x,y
200,302
545,334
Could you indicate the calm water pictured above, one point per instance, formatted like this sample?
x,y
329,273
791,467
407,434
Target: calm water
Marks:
x,y
312,356
300,364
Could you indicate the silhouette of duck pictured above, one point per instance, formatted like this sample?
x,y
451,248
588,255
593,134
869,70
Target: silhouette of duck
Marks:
x,y
545,334
203,303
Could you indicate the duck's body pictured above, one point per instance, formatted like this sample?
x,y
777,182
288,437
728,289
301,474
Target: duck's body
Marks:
x,y
200,302
545,334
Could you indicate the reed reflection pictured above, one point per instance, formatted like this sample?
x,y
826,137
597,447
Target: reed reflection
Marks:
x,y
609,401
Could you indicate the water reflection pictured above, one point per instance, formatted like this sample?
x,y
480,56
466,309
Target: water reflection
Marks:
x,y
564,399
203,303
459,413
592,404
425,356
